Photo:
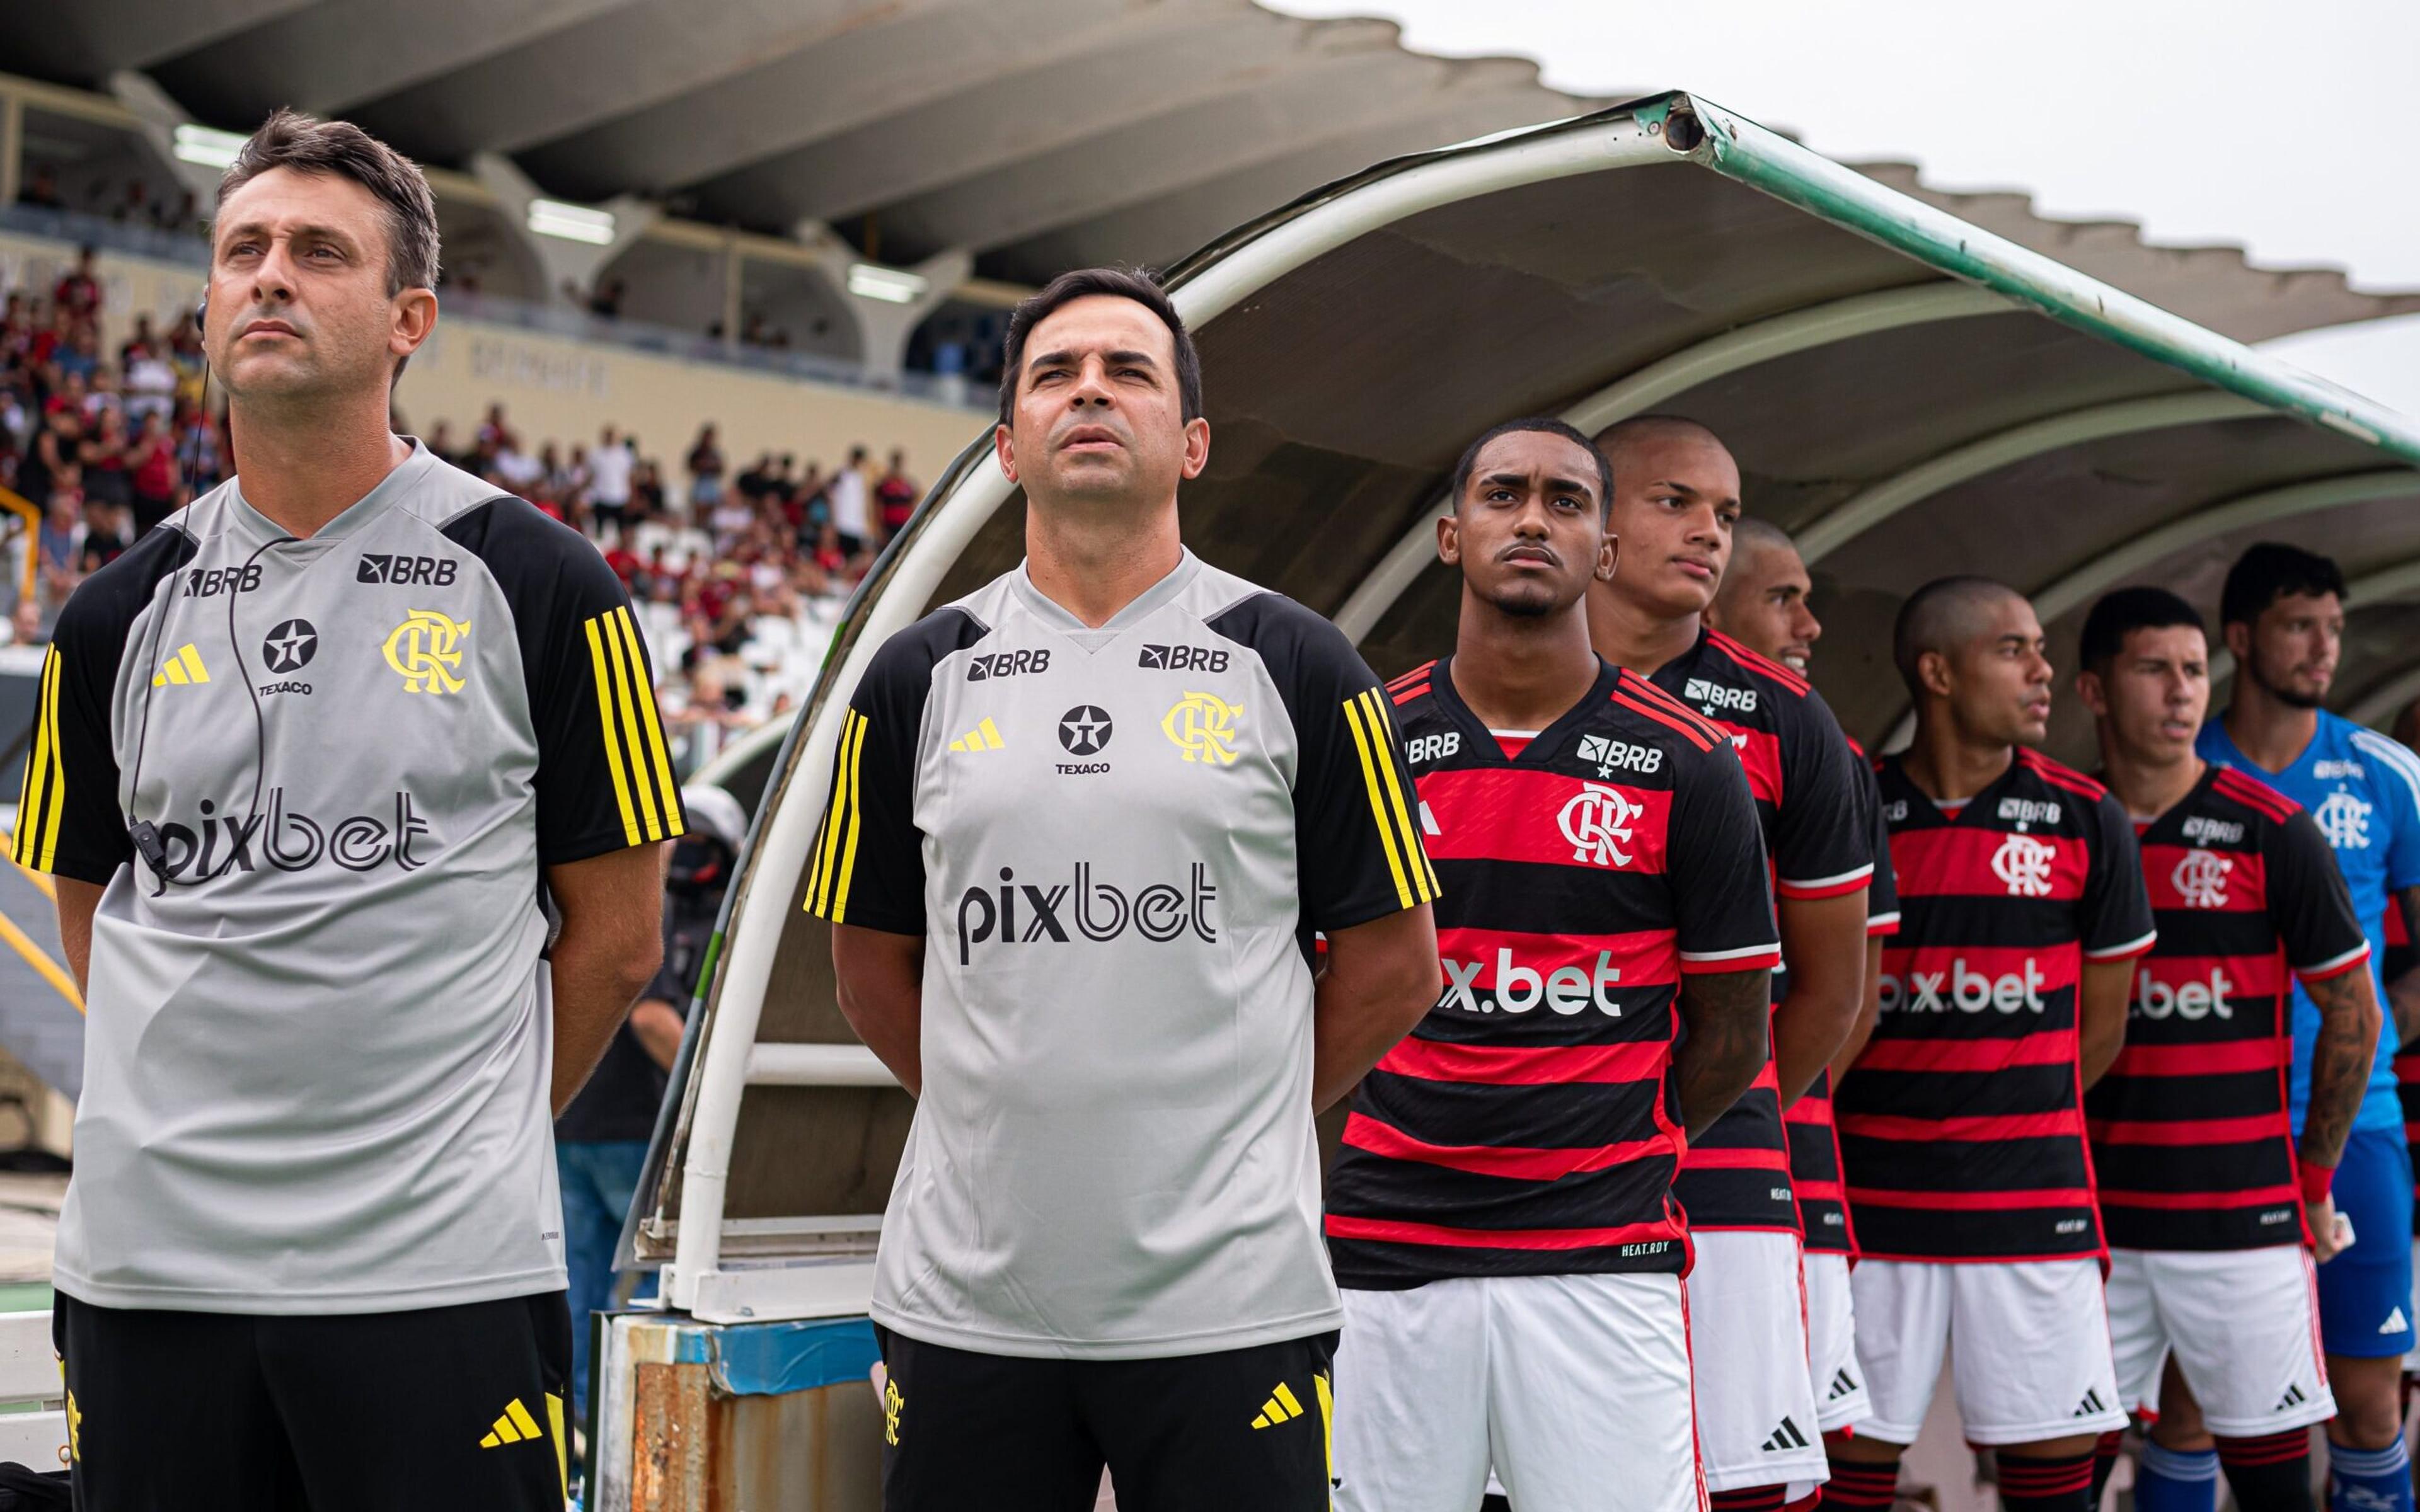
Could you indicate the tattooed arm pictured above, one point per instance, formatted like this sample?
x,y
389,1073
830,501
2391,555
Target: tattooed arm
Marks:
x,y
2340,1061
1726,1019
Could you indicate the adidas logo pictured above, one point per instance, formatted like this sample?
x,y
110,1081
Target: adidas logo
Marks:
x,y
1281,1407
2395,1323
1843,1384
185,667
2092,1406
515,1426
1784,1438
2293,1397
985,736
1429,825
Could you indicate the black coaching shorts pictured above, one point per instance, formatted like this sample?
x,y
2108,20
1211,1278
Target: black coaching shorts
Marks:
x,y
1227,1432
451,1408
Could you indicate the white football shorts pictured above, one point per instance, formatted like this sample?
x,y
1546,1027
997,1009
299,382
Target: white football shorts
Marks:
x,y
1841,1400
2032,1348
1758,1424
1575,1388
2244,1325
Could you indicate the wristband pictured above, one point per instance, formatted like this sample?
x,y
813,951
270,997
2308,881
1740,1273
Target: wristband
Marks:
x,y
2316,1179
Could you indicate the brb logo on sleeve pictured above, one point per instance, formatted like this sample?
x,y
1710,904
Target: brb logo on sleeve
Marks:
x,y
2024,864
435,572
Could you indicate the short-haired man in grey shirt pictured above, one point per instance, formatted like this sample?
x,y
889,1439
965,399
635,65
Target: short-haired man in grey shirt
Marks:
x,y
1083,826
310,756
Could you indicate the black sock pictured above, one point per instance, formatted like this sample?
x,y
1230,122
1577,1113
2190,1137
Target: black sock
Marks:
x,y
2045,1483
1750,1498
1860,1488
2269,1473
2104,1459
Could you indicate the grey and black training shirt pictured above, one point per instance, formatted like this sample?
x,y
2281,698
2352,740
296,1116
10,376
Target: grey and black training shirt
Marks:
x,y
317,1056
1117,842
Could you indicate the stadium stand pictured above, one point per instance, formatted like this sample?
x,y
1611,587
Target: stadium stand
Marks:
x,y
738,581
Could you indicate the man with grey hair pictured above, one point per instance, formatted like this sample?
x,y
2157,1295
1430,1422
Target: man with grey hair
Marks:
x,y
313,755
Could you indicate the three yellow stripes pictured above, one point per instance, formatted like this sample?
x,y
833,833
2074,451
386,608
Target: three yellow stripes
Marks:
x,y
634,740
1373,736
44,795
835,860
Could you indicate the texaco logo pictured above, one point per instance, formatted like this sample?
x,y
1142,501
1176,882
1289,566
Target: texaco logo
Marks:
x,y
2024,863
1597,822
2201,879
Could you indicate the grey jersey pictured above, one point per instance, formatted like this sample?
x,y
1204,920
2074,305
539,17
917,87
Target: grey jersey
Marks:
x,y
317,1056
1117,843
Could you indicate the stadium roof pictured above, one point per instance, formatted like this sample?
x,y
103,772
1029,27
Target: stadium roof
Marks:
x,y
1039,134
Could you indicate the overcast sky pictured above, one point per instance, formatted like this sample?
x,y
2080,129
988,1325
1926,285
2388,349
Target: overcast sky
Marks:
x,y
2283,128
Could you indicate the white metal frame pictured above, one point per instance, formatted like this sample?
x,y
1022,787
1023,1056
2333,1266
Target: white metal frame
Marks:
x,y
2386,698
1639,392
693,1280
1962,464
2157,544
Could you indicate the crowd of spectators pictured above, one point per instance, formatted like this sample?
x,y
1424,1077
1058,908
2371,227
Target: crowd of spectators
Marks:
x,y
738,570
729,573
104,444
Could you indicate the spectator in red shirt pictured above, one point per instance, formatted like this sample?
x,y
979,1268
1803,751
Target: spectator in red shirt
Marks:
x,y
896,494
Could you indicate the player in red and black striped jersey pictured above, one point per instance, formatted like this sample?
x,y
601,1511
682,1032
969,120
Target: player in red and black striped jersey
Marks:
x,y
2201,1191
1763,605
1962,1129
1500,1217
1676,504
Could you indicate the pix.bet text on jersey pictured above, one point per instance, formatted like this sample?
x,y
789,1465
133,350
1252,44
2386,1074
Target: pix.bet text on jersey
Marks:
x,y
1117,842
1529,1124
1961,1124
2190,1141
1815,806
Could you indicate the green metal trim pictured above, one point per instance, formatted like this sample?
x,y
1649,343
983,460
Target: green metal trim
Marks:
x,y
1740,149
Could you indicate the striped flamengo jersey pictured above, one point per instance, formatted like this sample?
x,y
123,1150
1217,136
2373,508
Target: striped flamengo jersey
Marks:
x,y
1961,1125
1815,806
1814,1144
2398,960
2190,1135
1529,1124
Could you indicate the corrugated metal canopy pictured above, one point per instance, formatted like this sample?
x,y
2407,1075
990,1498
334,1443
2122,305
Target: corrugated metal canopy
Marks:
x,y
1911,394
1038,134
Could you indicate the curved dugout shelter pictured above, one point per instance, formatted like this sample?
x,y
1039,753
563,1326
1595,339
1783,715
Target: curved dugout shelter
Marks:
x,y
1908,393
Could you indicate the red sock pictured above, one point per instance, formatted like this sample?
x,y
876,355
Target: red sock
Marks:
x,y
1860,1488
2104,1459
2046,1483
2269,1473
1751,1498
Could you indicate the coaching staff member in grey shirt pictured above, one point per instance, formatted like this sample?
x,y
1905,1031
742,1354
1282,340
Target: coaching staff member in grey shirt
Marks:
x,y
311,755
1084,823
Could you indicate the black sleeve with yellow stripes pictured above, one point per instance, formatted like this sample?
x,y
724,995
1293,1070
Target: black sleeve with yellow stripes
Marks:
x,y
867,867
69,823
1357,832
605,777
